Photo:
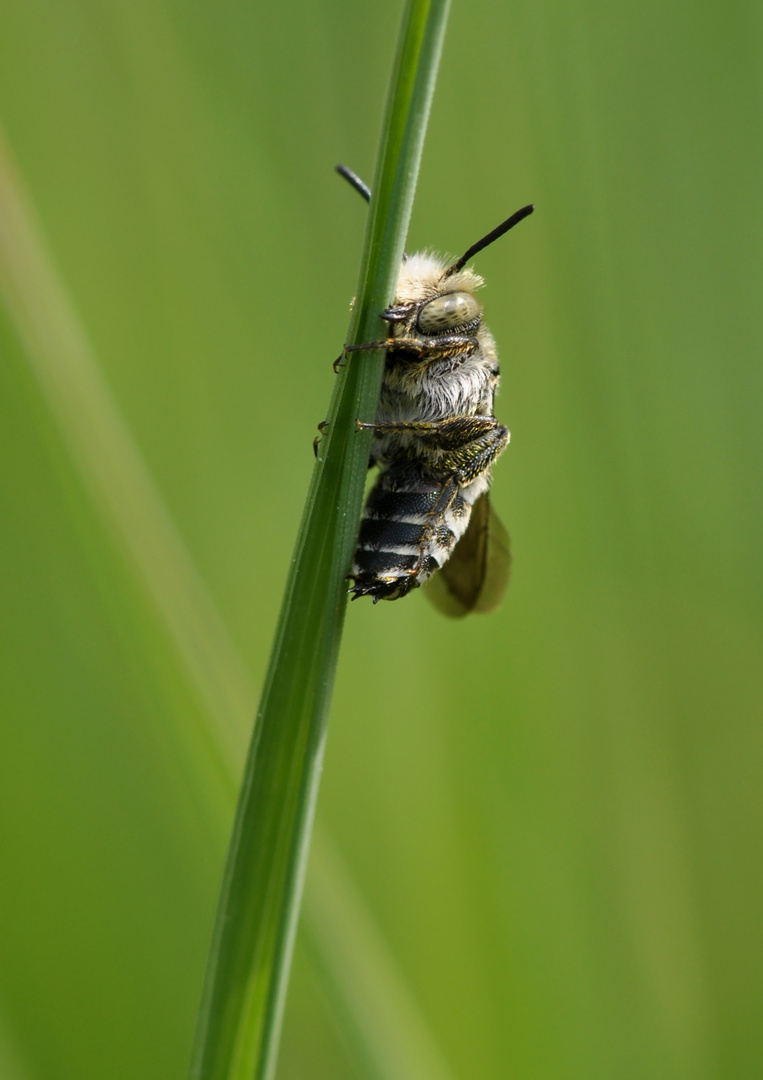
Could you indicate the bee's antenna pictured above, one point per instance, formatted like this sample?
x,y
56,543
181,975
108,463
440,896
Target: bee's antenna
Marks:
x,y
499,230
357,183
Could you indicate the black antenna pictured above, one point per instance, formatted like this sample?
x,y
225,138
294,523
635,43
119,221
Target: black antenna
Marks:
x,y
357,183
499,230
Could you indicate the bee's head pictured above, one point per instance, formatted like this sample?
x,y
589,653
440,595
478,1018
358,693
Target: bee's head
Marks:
x,y
434,297
431,302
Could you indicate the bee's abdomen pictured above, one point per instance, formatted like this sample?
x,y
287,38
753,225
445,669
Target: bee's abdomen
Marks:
x,y
405,535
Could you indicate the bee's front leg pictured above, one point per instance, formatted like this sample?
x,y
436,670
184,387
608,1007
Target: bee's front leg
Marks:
x,y
387,343
422,348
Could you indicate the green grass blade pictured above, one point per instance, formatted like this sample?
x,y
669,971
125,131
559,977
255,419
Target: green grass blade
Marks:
x,y
241,1010
109,464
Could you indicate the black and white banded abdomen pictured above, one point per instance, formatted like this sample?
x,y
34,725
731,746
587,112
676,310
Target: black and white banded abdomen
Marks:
x,y
411,523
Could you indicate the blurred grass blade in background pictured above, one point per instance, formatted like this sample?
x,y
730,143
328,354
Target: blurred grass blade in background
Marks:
x,y
243,999
110,466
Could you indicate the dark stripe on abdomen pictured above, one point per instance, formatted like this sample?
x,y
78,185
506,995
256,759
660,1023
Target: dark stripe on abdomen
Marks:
x,y
381,533
400,505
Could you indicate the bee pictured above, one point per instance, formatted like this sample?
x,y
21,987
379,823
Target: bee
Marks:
x,y
435,439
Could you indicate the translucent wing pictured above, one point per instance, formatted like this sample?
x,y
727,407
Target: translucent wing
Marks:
x,y
476,575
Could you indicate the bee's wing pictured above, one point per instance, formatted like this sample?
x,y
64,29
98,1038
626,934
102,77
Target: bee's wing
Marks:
x,y
476,575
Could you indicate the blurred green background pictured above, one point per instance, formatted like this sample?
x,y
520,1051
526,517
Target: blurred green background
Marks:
x,y
552,813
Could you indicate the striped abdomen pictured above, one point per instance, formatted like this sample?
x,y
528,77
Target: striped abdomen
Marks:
x,y
411,523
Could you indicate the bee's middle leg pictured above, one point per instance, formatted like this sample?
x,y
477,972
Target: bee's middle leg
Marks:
x,y
451,434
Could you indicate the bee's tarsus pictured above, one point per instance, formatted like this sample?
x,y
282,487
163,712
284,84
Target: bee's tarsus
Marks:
x,y
318,438
366,346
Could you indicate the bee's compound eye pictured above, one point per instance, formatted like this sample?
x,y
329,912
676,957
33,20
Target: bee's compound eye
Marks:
x,y
445,313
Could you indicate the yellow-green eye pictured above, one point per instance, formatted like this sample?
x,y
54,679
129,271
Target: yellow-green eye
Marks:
x,y
445,313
